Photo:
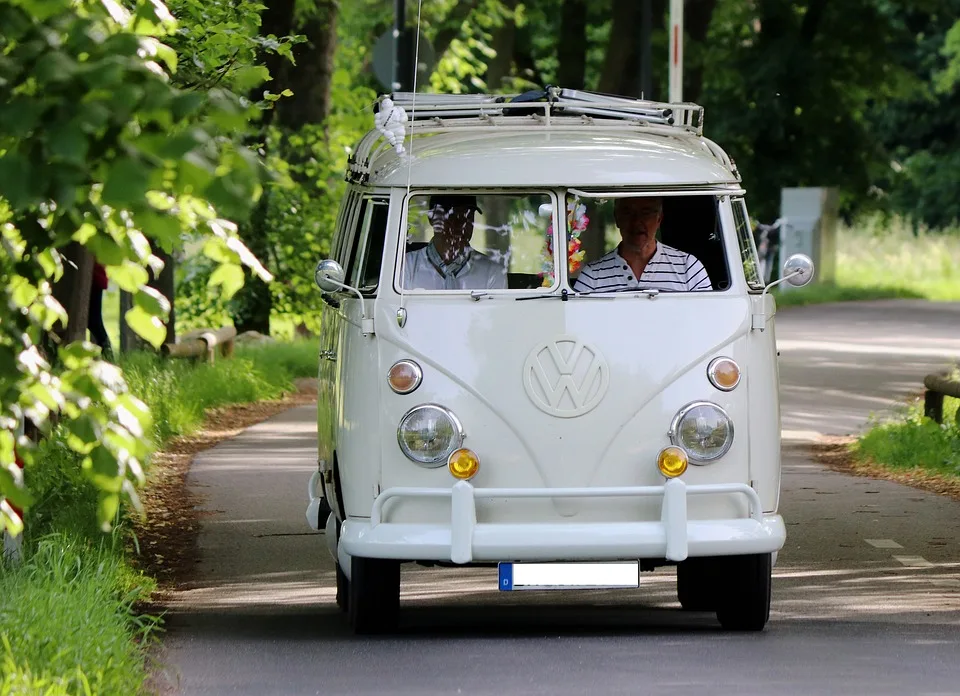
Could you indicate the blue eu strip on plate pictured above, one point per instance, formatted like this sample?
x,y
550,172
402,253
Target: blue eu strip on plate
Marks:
x,y
568,576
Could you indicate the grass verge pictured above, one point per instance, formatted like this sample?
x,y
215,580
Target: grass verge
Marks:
x,y
914,445
69,619
881,259
69,625
908,448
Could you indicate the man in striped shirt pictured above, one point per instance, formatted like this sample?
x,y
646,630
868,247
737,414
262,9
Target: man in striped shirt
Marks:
x,y
640,261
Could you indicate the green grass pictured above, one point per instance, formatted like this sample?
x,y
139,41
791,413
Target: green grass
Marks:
x,y
66,620
179,391
910,441
879,259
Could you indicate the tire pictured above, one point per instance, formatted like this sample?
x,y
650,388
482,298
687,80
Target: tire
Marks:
x,y
324,509
343,584
745,604
698,581
374,595
343,590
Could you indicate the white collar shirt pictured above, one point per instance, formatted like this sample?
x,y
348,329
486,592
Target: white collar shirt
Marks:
x,y
423,269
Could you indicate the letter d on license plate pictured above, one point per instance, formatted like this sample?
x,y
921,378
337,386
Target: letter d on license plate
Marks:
x,y
568,576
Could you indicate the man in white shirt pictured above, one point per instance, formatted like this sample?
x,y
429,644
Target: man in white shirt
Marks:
x,y
448,262
640,261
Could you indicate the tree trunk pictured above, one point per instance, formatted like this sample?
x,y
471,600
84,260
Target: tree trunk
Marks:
x,y
277,19
165,284
129,340
696,25
621,64
504,41
73,292
311,77
254,303
572,47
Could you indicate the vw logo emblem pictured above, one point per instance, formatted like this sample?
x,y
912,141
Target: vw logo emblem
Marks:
x,y
565,377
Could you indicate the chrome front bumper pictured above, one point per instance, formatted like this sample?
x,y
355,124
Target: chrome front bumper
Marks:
x,y
673,537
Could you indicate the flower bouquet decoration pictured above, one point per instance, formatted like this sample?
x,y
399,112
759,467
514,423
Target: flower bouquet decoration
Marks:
x,y
577,222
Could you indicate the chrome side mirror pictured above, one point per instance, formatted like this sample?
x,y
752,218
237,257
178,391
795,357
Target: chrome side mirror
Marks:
x,y
329,276
798,270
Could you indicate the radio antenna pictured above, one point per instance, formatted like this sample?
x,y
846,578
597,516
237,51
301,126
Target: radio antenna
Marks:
x,y
401,311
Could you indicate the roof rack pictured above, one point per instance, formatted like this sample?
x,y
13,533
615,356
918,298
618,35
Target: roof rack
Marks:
x,y
551,107
547,104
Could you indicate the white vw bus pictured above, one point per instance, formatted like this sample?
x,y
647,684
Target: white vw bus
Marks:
x,y
547,350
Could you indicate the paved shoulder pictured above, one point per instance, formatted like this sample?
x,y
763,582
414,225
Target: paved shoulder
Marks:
x,y
840,363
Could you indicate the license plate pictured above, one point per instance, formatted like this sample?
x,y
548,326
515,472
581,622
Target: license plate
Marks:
x,y
568,576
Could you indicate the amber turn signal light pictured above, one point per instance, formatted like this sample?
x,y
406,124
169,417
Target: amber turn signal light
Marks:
x,y
672,461
463,464
404,376
723,373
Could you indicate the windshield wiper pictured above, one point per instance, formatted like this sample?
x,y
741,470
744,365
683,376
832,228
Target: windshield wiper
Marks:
x,y
649,292
564,296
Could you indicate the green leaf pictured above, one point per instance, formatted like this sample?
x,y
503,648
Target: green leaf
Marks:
x,y
44,9
14,180
137,409
69,143
82,433
249,76
128,275
76,353
126,183
49,261
185,104
216,249
107,507
11,486
54,67
6,448
22,292
106,249
228,275
20,116
163,227
152,302
47,395
84,233
149,327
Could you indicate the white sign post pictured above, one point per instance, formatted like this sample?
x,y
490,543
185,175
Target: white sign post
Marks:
x,y
676,50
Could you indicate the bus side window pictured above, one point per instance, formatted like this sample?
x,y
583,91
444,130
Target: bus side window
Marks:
x,y
364,272
348,253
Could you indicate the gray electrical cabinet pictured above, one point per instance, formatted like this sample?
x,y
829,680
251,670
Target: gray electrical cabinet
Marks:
x,y
810,227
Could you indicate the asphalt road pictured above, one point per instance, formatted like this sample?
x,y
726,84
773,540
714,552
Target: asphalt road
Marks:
x,y
866,592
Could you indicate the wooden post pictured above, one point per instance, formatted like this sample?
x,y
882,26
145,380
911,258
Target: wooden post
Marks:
x,y
202,342
939,386
933,405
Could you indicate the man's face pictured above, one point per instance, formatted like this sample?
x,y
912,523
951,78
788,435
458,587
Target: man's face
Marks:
x,y
454,223
638,218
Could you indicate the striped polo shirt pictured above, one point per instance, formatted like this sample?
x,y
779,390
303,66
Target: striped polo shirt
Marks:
x,y
668,269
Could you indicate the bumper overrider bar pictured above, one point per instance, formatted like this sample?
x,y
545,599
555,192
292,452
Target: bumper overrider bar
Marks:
x,y
673,537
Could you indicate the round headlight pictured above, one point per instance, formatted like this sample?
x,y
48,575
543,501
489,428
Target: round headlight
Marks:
x,y
704,430
428,434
